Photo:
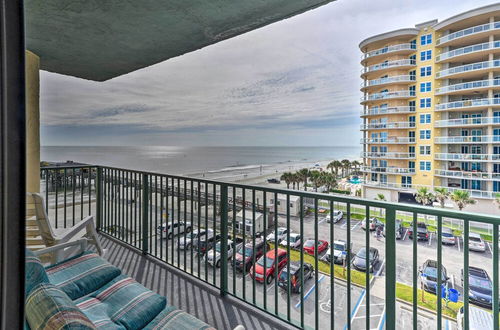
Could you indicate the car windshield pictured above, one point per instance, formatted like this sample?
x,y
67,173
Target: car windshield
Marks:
x,y
218,247
268,261
194,234
294,239
362,254
340,247
474,239
309,243
248,251
335,213
281,231
479,282
447,235
430,271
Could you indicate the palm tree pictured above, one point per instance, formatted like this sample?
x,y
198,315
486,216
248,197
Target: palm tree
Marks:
x,y
334,166
462,198
287,177
380,197
346,164
330,181
296,180
356,165
424,196
442,194
304,174
315,179
497,199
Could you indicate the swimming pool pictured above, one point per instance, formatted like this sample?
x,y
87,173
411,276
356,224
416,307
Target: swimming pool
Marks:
x,y
355,181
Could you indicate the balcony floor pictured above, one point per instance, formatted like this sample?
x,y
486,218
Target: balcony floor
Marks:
x,y
188,294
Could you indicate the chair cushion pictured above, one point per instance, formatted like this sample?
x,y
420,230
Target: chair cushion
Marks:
x,y
172,318
48,307
82,274
122,303
35,272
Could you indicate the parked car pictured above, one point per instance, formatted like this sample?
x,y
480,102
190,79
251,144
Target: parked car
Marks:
x,y
480,287
185,244
359,261
267,260
399,230
295,240
476,243
479,319
447,236
373,223
213,256
339,252
243,260
428,276
309,246
295,274
282,231
205,243
273,180
337,216
169,229
422,231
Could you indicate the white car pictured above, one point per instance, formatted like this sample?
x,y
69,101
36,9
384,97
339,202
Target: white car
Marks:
x,y
185,244
282,231
213,256
169,229
295,240
447,236
476,243
339,252
337,216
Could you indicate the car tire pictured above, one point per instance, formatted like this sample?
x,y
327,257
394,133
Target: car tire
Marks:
x,y
170,236
217,264
269,279
189,246
188,230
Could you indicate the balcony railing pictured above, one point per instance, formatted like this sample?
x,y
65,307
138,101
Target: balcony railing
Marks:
x,y
468,32
389,80
389,49
468,104
388,95
467,175
157,214
467,122
478,84
387,110
391,170
388,65
468,50
393,125
466,157
469,68
388,155
389,140
468,139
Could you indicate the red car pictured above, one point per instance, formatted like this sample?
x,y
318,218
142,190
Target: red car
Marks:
x,y
309,246
257,270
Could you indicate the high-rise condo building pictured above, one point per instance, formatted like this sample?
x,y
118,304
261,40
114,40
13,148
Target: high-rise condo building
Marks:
x,y
431,108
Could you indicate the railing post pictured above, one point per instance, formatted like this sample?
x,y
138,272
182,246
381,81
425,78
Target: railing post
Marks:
x,y
390,264
145,216
224,234
99,197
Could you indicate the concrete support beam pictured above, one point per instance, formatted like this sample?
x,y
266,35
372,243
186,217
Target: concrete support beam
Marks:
x,y
32,122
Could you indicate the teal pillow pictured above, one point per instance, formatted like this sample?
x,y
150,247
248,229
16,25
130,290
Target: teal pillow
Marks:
x,y
35,272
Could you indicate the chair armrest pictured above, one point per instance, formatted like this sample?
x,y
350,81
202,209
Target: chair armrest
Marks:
x,y
57,249
70,233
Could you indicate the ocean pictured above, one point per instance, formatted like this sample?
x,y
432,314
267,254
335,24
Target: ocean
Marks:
x,y
200,161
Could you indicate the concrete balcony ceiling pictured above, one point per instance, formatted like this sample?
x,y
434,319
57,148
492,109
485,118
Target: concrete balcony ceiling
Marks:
x,y
100,40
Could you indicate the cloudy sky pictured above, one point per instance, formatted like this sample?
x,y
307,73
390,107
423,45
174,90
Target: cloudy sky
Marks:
x,y
295,82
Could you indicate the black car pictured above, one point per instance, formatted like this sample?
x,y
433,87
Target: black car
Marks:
x,y
205,244
428,276
243,260
422,231
273,180
295,273
359,261
480,287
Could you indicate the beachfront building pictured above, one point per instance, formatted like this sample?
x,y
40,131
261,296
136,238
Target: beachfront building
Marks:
x,y
431,108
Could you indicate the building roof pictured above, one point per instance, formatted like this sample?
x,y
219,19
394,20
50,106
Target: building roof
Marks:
x,y
103,39
384,37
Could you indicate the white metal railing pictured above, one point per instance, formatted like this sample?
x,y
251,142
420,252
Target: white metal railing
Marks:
x,y
469,31
467,174
468,104
387,65
388,95
413,187
390,140
389,49
388,155
386,110
388,80
390,169
468,50
468,86
468,68
390,125
467,121
467,139
464,157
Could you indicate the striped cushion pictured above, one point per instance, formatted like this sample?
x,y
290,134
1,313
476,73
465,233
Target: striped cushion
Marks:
x,y
35,272
172,318
82,274
47,307
122,303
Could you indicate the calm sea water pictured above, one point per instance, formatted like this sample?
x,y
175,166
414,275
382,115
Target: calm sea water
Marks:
x,y
195,160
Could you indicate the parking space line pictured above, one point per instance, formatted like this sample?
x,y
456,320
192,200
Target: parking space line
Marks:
x,y
355,225
430,239
309,292
364,316
489,246
406,232
356,307
382,321
321,221
270,287
344,225
458,245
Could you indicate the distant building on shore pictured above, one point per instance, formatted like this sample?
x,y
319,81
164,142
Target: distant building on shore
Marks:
x,y
431,108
